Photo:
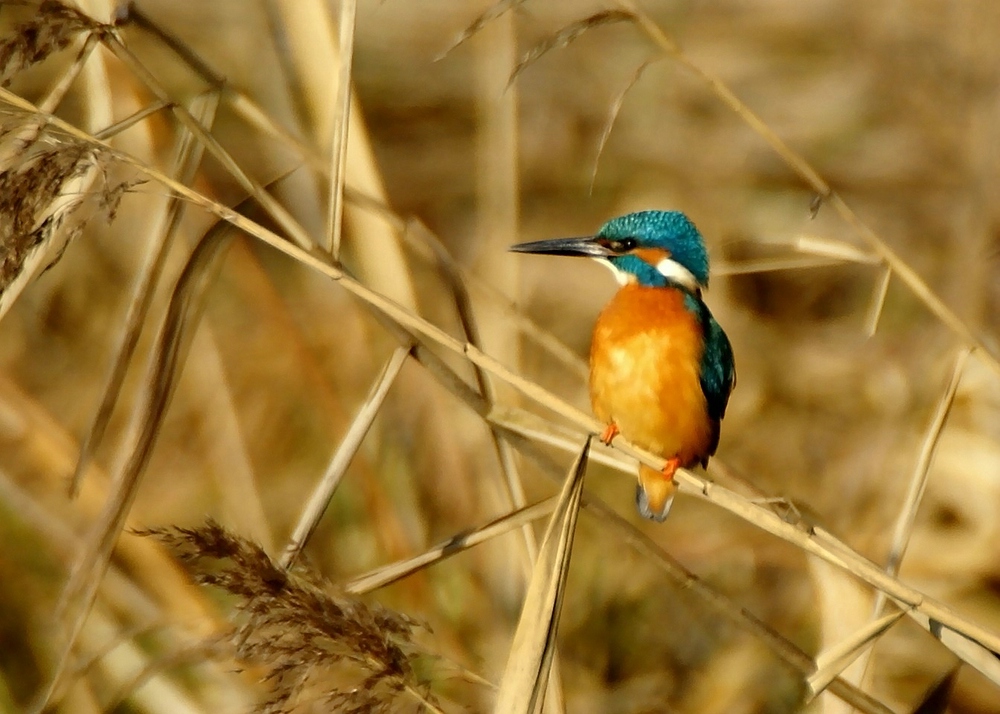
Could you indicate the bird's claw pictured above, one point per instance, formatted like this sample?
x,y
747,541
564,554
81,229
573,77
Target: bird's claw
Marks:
x,y
609,433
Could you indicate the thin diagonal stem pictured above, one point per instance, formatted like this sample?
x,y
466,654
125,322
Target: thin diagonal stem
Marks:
x,y
133,119
58,91
878,301
323,492
189,155
914,494
388,574
918,482
341,124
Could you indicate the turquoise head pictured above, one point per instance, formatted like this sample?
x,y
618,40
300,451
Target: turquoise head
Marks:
x,y
649,248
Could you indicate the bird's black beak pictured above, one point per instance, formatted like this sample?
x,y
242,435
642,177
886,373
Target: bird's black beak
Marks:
x,y
587,247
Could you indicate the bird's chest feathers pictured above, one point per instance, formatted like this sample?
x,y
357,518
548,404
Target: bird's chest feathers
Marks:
x,y
645,370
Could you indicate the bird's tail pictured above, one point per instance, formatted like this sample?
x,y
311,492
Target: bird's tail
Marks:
x,y
654,494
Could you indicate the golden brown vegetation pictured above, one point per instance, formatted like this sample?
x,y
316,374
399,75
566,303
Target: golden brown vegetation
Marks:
x,y
188,341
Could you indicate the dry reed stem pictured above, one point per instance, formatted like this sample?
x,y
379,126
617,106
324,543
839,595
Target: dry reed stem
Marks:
x,y
918,481
307,68
242,104
191,654
425,244
341,124
566,36
308,63
58,92
835,659
771,265
541,431
129,13
878,301
503,193
187,163
812,539
491,13
832,248
160,694
481,402
968,651
613,112
326,487
390,573
631,536
525,678
787,652
28,133
227,451
133,119
903,528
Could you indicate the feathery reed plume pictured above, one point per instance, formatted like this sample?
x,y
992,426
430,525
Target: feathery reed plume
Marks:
x,y
51,29
28,190
37,196
314,645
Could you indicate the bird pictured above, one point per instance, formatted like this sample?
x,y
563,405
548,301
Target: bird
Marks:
x,y
661,368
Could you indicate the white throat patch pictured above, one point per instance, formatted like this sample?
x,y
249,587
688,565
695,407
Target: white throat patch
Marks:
x,y
621,276
672,270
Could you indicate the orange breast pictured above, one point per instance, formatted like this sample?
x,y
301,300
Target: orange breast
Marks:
x,y
644,373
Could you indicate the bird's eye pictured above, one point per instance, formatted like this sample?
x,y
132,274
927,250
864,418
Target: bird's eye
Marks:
x,y
623,245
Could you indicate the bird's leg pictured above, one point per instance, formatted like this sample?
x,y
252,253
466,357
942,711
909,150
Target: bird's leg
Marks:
x,y
670,468
609,433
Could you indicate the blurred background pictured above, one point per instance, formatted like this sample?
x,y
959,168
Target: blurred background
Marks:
x,y
895,103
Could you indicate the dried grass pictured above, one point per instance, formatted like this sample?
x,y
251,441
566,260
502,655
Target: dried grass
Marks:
x,y
52,28
28,191
449,444
297,630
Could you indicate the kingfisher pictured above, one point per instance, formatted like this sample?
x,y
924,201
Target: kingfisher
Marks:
x,y
661,367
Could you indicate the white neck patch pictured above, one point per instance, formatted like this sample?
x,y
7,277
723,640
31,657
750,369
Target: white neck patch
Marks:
x,y
621,276
668,268
672,270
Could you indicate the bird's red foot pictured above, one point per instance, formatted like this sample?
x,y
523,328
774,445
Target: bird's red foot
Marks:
x,y
670,468
609,433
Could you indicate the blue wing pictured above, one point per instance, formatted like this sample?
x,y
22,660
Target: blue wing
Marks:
x,y
718,372
718,368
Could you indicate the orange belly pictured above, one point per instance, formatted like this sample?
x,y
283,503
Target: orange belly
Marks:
x,y
644,373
